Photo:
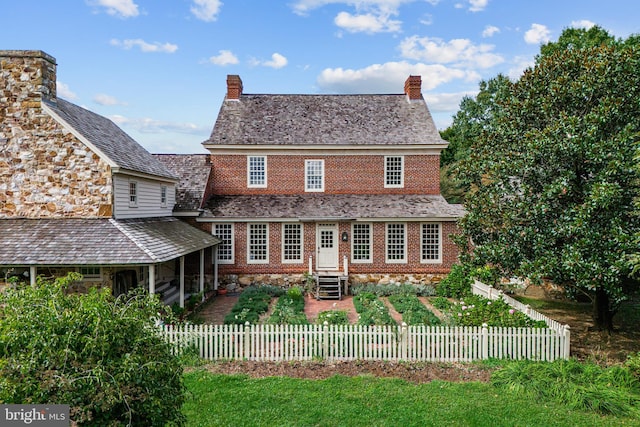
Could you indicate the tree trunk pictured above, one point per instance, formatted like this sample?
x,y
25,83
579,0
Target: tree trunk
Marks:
x,y
602,311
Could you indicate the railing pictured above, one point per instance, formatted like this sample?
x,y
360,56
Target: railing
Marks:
x,y
355,342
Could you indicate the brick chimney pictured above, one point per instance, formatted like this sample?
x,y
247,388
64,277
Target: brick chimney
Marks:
x,y
234,86
26,77
413,87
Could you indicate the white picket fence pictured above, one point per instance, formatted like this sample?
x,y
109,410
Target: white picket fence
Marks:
x,y
354,342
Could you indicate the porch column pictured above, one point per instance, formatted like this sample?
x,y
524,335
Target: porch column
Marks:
x,y
215,267
152,279
33,272
182,282
202,273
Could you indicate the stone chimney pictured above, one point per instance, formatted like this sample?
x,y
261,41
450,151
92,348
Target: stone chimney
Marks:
x,y
413,87
26,78
234,86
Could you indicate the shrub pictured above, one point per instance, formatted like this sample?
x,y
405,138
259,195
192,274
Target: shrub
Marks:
x,y
253,301
371,310
413,311
289,309
475,310
457,284
441,303
102,356
333,317
393,289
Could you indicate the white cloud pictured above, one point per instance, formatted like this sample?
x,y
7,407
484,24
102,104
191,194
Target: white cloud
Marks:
x,y
367,23
389,77
456,51
149,125
206,10
477,5
446,102
224,57
63,91
520,63
277,61
104,99
583,23
490,31
120,8
144,46
537,34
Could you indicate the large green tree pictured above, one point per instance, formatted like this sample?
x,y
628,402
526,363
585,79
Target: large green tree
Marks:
x,y
553,179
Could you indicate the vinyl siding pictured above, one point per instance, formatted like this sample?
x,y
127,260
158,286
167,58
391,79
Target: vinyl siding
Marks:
x,y
148,195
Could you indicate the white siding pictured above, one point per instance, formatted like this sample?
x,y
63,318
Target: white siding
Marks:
x,y
148,195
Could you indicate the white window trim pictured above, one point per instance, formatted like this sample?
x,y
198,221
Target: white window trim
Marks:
x,y
233,243
133,203
431,261
249,184
401,185
306,176
259,261
293,261
362,261
91,277
163,196
386,244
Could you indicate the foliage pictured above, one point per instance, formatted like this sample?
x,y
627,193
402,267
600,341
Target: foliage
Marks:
x,y
633,364
474,310
582,386
333,317
553,177
253,301
441,303
101,356
385,290
413,311
371,311
289,309
365,400
457,284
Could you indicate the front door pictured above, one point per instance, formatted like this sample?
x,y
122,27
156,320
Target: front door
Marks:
x,y
327,239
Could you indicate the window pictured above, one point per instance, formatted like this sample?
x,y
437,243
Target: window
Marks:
x,y
314,175
133,194
163,196
225,249
394,171
291,243
396,243
90,273
361,242
256,171
258,249
431,243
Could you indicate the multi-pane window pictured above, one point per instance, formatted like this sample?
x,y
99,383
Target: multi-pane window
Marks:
x,y
361,242
396,243
225,249
291,243
314,175
258,239
394,171
256,171
90,273
163,196
133,193
431,243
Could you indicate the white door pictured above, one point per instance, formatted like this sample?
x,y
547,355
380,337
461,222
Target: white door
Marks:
x,y
327,240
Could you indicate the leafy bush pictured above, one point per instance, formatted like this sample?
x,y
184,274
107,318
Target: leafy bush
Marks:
x,y
475,310
289,309
441,303
371,310
457,284
633,364
413,311
394,289
102,356
253,301
333,317
578,385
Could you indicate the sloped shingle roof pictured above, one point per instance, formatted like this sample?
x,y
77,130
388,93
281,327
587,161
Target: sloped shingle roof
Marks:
x,y
193,170
123,150
98,241
324,120
340,206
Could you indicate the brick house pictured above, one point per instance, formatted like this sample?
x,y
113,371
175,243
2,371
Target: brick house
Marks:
x,y
79,194
340,186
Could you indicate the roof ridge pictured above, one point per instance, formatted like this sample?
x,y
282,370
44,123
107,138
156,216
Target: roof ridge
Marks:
x,y
122,229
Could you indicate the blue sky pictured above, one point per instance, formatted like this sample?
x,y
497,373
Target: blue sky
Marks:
x,y
158,67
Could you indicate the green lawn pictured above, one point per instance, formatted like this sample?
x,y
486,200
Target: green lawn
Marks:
x,y
222,400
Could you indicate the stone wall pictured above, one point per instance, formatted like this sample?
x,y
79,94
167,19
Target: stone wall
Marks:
x,y
45,171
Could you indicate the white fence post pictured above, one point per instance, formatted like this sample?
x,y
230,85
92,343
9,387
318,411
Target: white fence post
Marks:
x,y
567,341
404,342
325,340
247,340
485,341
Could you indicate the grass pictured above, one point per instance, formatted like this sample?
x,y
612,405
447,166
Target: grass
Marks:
x,y
238,400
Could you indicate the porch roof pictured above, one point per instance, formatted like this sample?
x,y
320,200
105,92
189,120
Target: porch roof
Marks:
x,y
332,207
99,241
